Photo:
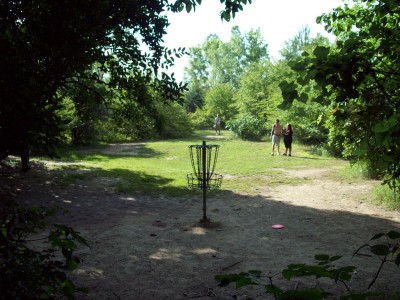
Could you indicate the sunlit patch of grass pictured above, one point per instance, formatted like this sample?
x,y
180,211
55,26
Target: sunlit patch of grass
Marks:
x,y
350,173
249,184
383,195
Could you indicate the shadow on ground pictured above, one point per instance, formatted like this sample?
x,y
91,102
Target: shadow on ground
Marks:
x,y
153,247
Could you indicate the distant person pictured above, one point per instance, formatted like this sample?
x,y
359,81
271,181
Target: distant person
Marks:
x,y
217,125
25,157
276,133
288,139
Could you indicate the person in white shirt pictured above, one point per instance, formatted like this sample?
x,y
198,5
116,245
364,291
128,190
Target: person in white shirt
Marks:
x,y
276,133
217,125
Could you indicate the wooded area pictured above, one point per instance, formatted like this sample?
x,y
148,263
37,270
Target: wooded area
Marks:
x,y
76,72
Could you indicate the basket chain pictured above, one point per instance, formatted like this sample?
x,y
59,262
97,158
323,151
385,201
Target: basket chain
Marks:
x,y
210,168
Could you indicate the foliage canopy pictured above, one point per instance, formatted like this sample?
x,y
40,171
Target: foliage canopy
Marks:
x,y
358,78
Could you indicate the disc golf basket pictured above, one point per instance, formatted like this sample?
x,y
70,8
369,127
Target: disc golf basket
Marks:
x,y
204,159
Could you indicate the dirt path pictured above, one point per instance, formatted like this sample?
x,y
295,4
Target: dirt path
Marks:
x,y
154,248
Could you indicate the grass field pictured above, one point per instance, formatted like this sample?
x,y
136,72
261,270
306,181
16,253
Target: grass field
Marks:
x,y
160,167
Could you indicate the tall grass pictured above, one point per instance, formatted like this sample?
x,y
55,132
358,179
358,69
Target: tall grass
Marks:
x,y
160,167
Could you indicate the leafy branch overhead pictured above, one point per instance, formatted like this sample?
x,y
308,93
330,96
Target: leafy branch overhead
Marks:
x,y
231,7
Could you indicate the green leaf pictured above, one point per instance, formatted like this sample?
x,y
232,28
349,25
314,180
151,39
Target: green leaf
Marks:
x,y
297,65
397,260
226,16
71,264
377,236
317,271
393,235
303,81
322,257
303,97
344,273
241,279
223,281
382,127
380,249
289,274
299,270
345,276
273,289
4,232
289,94
321,52
335,258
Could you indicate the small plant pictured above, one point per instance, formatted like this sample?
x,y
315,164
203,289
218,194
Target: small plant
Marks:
x,y
26,273
383,245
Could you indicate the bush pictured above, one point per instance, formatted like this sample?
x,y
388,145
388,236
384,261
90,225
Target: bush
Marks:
x,y
247,127
201,120
174,121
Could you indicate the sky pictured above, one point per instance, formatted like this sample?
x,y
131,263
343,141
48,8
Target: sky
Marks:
x,y
278,21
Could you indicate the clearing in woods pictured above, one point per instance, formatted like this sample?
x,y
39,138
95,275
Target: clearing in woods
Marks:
x,y
153,247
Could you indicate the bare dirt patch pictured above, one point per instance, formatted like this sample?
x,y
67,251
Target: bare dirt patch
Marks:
x,y
155,247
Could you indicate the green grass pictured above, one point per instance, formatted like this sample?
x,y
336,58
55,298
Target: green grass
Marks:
x,y
384,196
160,167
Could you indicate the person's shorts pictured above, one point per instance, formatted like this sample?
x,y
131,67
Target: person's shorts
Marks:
x,y
288,142
276,139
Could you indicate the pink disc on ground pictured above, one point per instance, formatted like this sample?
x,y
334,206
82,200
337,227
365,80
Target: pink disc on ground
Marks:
x,y
278,226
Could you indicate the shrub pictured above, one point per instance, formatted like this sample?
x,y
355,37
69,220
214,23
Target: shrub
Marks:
x,y
174,121
26,273
247,127
201,120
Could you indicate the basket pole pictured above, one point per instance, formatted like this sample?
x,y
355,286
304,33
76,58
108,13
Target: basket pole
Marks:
x,y
204,158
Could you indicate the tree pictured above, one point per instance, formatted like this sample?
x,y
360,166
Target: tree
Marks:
x,y
46,44
215,74
307,116
359,78
218,100
255,95
295,46
217,62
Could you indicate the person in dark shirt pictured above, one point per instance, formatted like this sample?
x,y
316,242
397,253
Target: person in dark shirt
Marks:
x,y
288,139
